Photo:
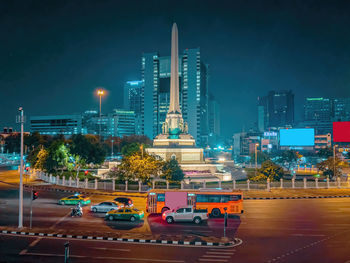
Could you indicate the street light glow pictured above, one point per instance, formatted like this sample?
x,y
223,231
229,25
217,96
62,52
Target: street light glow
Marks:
x,y
100,92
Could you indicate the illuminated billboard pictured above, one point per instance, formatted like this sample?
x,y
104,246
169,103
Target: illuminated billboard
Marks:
x,y
341,131
297,137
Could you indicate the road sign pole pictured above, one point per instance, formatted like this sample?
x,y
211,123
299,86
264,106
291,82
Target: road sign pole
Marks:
x,y
31,210
225,221
66,252
20,207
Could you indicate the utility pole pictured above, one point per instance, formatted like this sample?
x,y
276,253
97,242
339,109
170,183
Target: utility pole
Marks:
x,y
334,173
112,141
256,157
100,93
20,208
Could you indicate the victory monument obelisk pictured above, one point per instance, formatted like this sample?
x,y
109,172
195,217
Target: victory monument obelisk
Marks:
x,y
174,142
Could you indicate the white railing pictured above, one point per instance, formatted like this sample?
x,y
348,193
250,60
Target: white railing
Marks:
x,y
110,185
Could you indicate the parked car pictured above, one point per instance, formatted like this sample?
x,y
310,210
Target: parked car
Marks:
x,y
124,200
126,213
106,206
185,214
75,199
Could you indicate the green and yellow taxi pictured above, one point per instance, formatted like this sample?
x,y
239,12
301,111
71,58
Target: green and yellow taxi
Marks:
x,y
125,213
75,199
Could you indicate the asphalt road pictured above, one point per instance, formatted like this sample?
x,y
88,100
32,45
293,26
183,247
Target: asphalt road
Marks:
x,y
306,230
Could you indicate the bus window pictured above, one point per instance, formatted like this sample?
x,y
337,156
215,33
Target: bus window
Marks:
x,y
161,197
225,198
214,198
235,197
202,198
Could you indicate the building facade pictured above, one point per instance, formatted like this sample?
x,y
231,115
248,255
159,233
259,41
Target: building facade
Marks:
x,y
56,124
275,110
193,91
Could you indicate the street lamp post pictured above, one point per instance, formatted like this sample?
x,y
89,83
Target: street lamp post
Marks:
x,y
20,209
334,173
256,157
100,93
112,141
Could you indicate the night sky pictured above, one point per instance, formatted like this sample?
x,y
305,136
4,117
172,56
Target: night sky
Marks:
x,y
54,54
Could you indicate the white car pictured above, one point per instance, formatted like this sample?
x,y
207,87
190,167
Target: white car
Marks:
x,y
106,206
185,214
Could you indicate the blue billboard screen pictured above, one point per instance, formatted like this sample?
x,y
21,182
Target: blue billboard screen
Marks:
x,y
297,137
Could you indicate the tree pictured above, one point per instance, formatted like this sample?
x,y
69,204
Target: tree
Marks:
x,y
41,159
32,156
13,143
130,149
78,164
325,152
290,157
327,167
88,147
172,171
268,170
58,156
261,157
139,167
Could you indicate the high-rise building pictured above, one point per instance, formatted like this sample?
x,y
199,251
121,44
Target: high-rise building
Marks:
x,y
341,109
134,101
276,110
319,113
124,122
317,109
262,114
213,119
193,92
56,124
133,97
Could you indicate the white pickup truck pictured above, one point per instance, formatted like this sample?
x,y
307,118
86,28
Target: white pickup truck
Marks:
x,y
185,214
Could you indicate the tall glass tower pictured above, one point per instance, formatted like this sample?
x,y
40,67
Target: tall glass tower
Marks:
x,y
193,93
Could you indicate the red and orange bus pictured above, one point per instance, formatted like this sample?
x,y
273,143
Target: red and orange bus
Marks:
x,y
215,201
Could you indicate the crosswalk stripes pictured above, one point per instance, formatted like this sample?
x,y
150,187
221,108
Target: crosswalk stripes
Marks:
x,y
217,255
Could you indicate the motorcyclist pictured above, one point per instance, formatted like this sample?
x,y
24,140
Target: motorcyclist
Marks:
x,y
77,209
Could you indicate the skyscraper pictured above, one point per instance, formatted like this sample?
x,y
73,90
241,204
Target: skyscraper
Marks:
x,y
276,110
213,119
134,101
193,92
317,109
341,109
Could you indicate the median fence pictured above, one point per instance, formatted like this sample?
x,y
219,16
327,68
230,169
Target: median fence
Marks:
x,y
112,185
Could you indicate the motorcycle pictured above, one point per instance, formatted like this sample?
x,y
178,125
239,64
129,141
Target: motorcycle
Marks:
x,y
77,212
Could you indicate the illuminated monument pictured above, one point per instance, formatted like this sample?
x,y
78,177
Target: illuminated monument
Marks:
x,y
174,141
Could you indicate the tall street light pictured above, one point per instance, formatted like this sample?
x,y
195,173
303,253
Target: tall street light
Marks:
x,y
256,157
100,93
334,173
20,209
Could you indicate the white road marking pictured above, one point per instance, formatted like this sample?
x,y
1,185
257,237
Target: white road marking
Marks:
x,y
307,235
224,250
212,260
36,241
115,258
60,220
115,249
219,253
215,256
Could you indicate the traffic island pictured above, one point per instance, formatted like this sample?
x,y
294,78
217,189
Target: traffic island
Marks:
x,y
119,237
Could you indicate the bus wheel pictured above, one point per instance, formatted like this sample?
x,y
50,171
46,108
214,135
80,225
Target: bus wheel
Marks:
x,y
165,209
215,212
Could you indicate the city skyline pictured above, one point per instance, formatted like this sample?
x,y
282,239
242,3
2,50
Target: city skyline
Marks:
x,y
246,60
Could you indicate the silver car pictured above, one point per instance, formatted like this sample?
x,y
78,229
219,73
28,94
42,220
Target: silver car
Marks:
x,y
105,207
